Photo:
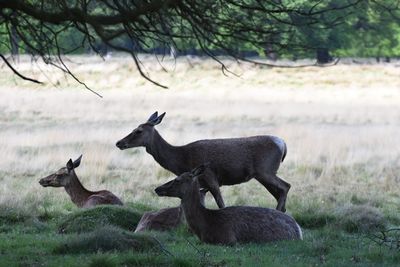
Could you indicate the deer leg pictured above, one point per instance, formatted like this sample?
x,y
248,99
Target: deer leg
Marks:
x,y
203,193
217,196
210,183
92,201
277,187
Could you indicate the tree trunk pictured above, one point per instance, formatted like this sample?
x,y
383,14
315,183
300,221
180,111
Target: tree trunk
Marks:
x,y
14,41
323,56
270,53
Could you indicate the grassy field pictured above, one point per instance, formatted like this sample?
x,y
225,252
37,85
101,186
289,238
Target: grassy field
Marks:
x,y
341,125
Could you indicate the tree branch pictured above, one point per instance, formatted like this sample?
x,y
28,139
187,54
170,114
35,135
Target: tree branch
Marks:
x,y
17,72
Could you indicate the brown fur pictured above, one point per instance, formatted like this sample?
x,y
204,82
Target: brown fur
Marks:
x,y
161,220
228,225
232,160
67,178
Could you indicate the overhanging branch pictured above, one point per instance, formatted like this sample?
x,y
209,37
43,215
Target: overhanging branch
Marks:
x,y
17,72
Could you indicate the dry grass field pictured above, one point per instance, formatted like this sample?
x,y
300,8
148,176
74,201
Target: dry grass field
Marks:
x,y
341,125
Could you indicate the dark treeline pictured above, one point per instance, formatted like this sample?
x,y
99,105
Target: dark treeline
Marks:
x,y
367,31
241,29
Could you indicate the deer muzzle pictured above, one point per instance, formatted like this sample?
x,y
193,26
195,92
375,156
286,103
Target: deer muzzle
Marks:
x,y
165,189
47,181
121,145
160,191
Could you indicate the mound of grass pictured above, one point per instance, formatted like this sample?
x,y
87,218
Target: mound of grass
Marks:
x,y
89,219
107,238
360,219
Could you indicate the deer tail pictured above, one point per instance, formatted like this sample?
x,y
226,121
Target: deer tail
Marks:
x,y
284,151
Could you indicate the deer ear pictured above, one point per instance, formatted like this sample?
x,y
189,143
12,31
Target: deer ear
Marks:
x,y
77,162
70,165
153,117
159,119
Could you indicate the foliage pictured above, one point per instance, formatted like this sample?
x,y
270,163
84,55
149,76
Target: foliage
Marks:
x,y
239,29
363,29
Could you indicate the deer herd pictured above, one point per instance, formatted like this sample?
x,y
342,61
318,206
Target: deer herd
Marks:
x,y
202,166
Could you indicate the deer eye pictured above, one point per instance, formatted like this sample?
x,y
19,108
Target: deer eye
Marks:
x,y
138,131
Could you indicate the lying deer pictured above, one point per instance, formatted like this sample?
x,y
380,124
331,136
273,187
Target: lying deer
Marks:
x,y
228,225
66,177
233,160
161,220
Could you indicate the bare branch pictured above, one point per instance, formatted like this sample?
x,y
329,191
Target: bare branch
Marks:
x,y
212,27
17,72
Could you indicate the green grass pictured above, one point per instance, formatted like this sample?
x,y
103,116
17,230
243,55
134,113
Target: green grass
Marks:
x,y
107,238
350,218
341,163
37,243
89,219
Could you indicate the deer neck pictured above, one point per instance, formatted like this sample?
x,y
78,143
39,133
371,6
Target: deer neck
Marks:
x,y
168,156
195,212
76,191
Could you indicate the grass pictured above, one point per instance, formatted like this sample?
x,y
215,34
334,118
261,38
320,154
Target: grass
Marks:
x,y
87,220
341,125
361,218
106,238
114,246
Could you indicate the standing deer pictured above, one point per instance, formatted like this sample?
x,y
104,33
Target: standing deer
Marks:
x,y
232,160
228,225
66,177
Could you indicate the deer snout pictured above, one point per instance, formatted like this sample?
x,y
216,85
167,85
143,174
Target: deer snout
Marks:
x,y
121,145
44,182
165,189
50,180
160,191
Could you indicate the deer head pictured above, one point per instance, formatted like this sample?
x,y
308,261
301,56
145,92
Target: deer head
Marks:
x,y
142,135
181,184
63,176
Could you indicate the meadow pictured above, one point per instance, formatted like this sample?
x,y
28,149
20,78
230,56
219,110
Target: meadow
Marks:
x,y
341,125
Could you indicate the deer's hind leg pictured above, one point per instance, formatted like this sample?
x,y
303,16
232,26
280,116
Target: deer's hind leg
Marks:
x,y
265,173
94,200
277,187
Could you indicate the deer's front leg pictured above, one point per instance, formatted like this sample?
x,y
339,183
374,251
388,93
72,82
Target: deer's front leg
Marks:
x,y
203,193
210,182
217,196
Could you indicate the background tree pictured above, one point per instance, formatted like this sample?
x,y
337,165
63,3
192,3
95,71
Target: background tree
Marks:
x,y
53,28
373,31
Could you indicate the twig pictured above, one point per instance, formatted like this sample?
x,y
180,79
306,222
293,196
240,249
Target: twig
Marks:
x,y
17,73
198,251
389,238
166,251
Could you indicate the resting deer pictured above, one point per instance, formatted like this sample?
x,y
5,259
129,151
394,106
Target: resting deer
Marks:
x,y
161,220
233,160
229,225
66,177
